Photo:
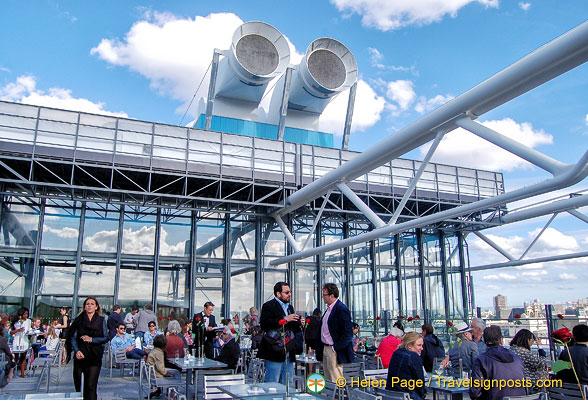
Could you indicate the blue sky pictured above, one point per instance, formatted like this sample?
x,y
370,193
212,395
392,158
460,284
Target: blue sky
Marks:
x,y
145,60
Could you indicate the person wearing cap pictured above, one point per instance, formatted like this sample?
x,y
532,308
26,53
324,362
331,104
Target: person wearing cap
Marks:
x,y
466,351
230,351
496,363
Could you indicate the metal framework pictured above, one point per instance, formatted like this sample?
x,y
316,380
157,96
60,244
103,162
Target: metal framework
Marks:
x,y
551,60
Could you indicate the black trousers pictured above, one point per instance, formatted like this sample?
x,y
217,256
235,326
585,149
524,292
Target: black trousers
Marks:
x,y
91,373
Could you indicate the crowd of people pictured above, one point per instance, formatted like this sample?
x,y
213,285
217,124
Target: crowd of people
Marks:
x,y
278,334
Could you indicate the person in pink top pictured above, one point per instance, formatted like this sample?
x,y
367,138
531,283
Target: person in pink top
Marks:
x,y
389,345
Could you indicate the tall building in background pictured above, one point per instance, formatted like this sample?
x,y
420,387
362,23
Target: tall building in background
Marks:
x,y
500,306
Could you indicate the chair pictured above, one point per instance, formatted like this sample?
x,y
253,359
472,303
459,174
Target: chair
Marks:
x,y
199,378
32,384
53,360
536,396
381,373
372,362
120,359
392,395
357,394
256,371
330,392
567,391
352,370
212,382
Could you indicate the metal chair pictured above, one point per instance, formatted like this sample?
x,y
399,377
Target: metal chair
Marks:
x,y
392,395
256,371
357,394
567,391
199,379
330,392
352,370
212,382
536,396
120,359
32,384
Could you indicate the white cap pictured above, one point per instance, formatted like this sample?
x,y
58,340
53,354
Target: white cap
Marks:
x,y
462,327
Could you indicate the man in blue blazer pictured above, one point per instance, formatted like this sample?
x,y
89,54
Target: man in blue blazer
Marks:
x,y
336,335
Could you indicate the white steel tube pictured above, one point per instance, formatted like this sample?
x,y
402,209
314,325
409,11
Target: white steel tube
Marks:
x,y
526,153
354,198
553,59
286,232
495,246
538,211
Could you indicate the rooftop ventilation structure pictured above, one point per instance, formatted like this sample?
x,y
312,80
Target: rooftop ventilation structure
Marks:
x,y
258,53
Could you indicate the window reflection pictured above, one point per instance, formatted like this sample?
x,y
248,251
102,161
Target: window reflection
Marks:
x,y
61,228
136,282
97,277
138,234
101,228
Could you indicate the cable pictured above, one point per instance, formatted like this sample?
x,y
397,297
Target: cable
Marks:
x,y
195,93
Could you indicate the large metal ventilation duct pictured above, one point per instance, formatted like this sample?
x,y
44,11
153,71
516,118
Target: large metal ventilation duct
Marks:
x,y
258,53
328,68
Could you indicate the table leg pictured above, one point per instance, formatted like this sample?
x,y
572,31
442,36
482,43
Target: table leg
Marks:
x,y
188,381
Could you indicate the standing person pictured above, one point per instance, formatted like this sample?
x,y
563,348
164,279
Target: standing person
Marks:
x,y
114,321
21,326
202,325
313,330
478,325
129,323
336,335
407,365
271,348
64,322
466,351
497,363
87,335
141,320
432,347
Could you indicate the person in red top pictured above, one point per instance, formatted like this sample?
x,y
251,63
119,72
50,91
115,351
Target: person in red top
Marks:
x,y
174,343
389,345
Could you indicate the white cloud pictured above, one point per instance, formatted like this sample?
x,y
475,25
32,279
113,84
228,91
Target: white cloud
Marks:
x,y
568,277
24,90
501,276
140,241
4,69
401,92
524,6
367,111
387,15
493,287
463,148
65,232
173,53
376,58
424,105
103,241
586,119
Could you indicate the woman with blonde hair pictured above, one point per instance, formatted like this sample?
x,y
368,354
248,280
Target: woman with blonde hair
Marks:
x,y
52,339
407,365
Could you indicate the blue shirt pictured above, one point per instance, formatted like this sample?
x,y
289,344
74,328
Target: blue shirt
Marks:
x,y
118,342
284,306
148,337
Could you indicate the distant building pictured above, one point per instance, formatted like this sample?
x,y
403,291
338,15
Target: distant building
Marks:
x,y
501,310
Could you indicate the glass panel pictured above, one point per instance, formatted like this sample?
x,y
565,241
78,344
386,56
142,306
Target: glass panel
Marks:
x,y
332,232
175,235
433,278
242,287
336,275
172,289
272,275
19,225
97,277
362,294
57,277
211,237
388,287
456,311
136,283
138,234
410,275
201,296
100,229
243,240
60,229
306,285
48,307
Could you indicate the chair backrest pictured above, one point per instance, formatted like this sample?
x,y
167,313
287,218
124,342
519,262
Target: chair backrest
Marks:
x,y
331,391
212,382
256,370
375,373
352,369
372,362
567,391
357,394
145,378
536,396
392,395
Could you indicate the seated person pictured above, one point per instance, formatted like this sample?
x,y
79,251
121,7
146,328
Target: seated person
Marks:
x,y
579,353
357,341
407,365
256,337
148,336
123,340
37,334
389,345
230,351
175,344
157,359
187,333
52,340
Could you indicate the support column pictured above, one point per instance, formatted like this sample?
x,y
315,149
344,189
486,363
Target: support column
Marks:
x,y
398,266
119,244
211,90
35,271
320,273
424,294
376,289
291,265
78,273
227,270
192,270
284,105
347,266
462,269
444,276
258,264
156,259
349,117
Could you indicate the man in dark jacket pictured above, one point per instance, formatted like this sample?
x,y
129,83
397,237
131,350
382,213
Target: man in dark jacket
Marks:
x,y
202,326
272,348
579,353
114,321
496,363
230,351
432,347
336,335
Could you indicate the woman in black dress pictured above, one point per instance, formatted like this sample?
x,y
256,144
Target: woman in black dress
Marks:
x,y
86,336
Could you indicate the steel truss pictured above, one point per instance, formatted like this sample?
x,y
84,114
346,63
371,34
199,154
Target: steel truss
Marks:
x,y
549,61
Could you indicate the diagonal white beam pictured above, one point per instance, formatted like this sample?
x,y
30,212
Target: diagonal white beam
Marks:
x,y
286,232
316,220
579,215
354,198
494,245
525,152
538,236
530,261
416,178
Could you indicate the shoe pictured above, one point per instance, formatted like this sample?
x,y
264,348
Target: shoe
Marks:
x,y
155,393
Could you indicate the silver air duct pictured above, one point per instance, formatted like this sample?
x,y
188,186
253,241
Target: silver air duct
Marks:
x,y
258,53
328,68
